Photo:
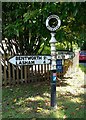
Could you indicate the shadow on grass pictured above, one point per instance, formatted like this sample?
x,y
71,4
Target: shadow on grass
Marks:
x,y
33,101
63,81
67,78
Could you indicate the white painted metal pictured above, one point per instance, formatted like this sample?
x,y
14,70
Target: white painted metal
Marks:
x,y
30,60
53,51
58,23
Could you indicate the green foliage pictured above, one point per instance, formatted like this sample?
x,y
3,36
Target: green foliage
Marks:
x,y
25,23
83,68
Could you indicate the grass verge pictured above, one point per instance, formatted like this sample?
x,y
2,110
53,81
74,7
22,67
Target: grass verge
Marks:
x,y
33,101
83,68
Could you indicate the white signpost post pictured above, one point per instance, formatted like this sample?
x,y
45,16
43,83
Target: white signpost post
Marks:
x,y
53,27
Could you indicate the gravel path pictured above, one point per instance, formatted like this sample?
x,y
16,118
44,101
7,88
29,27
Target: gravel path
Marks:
x,y
73,84
75,80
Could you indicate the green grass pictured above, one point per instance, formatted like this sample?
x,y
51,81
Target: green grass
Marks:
x,y
33,101
83,68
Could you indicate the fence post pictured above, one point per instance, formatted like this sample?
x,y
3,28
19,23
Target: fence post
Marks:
x,y
17,72
13,74
4,72
25,72
21,79
0,70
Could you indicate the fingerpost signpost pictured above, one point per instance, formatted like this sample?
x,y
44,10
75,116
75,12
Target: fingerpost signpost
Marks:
x,y
53,23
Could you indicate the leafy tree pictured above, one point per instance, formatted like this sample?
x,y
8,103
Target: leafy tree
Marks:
x,y
24,23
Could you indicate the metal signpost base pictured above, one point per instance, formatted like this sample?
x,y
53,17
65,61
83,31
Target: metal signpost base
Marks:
x,y
53,90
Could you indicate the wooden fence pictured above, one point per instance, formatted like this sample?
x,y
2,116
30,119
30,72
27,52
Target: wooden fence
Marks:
x,y
24,74
12,74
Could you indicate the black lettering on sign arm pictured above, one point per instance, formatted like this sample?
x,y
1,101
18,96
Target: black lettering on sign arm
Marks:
x,y
40,57
44,62
20,63
17,58
29,58
33,62
44,57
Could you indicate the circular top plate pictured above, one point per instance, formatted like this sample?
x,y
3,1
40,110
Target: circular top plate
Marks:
x,y
55,22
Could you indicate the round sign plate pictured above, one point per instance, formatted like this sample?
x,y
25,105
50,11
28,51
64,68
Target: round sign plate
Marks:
x,y
53,22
